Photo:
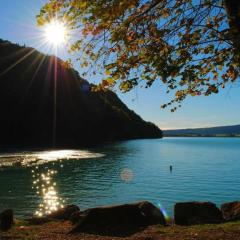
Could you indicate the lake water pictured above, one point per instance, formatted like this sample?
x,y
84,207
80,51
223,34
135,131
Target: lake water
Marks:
x,y
204,169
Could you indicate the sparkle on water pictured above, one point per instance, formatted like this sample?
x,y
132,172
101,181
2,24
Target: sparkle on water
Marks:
x,y
46,189
43,180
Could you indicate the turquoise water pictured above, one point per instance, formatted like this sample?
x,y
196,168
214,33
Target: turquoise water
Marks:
x,y
204,169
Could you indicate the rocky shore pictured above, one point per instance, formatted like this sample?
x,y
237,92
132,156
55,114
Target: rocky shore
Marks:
x,y
141,220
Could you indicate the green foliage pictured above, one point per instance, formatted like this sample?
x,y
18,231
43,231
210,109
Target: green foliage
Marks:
x,y
189,45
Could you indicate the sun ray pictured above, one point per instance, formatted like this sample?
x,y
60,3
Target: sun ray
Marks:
x,y
40,58
20,59
17,62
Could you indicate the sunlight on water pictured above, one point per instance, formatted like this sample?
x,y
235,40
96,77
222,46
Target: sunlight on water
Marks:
x,y
53,155
46,189
37,158
204,169
43,175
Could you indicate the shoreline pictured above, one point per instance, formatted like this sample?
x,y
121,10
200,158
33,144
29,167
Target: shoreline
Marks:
x,y
59,230
192,221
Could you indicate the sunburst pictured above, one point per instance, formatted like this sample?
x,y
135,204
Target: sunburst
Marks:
x,y
56,33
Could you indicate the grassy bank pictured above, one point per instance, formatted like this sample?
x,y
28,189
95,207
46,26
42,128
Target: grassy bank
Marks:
x,y
59,230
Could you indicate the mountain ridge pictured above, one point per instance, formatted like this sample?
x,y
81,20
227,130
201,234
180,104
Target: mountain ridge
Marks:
x,y
231,130
43,103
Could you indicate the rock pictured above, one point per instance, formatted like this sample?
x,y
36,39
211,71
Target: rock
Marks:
x,y
231,211
76,217
153,214
6,220
120,220
64,213
189,213
61,214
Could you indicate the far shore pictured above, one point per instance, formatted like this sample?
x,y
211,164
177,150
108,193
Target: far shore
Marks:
x,y
199,136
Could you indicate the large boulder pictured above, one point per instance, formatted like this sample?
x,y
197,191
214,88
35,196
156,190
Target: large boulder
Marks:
x,y
231,211
76,217
64,213
61,214
6,220
119,220
189,213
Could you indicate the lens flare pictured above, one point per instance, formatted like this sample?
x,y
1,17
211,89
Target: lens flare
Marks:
x,y
126,175
160,206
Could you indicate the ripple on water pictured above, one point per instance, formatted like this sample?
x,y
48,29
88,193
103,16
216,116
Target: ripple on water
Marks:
x,y
203,169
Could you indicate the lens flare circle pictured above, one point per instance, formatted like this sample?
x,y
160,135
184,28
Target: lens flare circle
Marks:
x,y
126,175
56,33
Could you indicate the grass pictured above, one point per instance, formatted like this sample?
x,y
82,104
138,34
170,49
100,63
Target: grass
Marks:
x,y
225,231
59,230
21,230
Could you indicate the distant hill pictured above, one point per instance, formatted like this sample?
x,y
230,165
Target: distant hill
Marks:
x,y
211,131
37,112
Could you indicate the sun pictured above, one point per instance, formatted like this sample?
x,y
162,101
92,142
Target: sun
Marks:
x,y
56,33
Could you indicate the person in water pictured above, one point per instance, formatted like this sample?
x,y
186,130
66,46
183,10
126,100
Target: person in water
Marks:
x,y
170,168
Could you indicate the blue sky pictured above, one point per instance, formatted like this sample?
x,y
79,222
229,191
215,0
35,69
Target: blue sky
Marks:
x,y
18,24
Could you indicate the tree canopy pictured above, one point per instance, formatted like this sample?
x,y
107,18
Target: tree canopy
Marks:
x,y
191,46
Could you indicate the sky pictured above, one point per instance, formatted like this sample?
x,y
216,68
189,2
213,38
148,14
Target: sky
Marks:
x,y
18,25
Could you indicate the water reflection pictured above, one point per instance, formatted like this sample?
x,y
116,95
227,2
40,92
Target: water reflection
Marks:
x,y
46,188
43,178
199,167
27,159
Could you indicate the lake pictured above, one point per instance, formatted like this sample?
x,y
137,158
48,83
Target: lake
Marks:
x,y
204,169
